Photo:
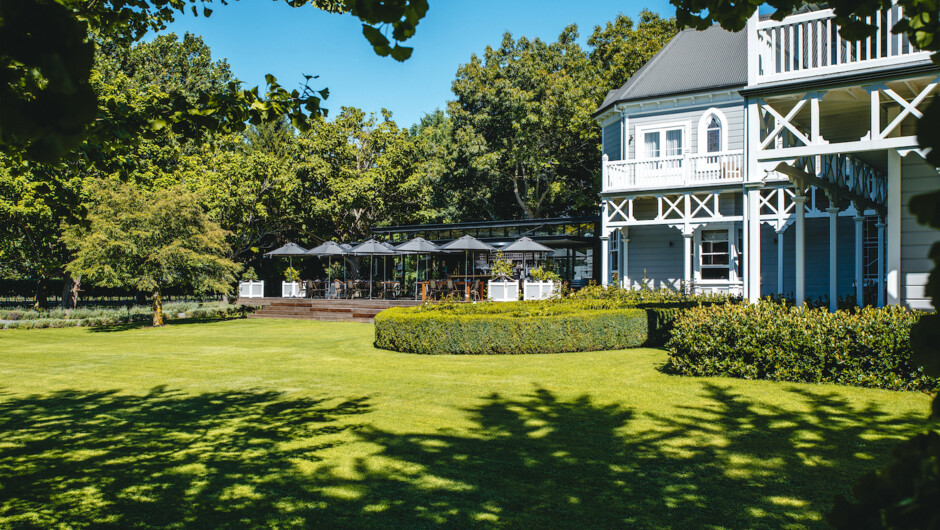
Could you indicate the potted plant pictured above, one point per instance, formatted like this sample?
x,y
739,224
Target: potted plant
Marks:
x,y
546,284
290,288
502,288
250,286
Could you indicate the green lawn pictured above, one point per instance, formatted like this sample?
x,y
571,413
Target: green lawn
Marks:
x,y
295,424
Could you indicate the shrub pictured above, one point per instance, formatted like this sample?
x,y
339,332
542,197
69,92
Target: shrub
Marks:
x,y
869,348
98,316
648,296
451,331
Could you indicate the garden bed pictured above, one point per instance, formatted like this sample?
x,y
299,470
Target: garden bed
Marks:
x,y
107,316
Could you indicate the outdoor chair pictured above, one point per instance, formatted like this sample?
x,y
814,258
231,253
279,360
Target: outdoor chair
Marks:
x,y
315,289
352,291
337,289
434,289
475,290
452,288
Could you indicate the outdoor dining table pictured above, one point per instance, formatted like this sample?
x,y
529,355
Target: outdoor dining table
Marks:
x,y
389,286
464,283
466,280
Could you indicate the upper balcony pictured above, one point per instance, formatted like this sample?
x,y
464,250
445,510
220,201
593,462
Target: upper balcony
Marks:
x,y
684,171
809,45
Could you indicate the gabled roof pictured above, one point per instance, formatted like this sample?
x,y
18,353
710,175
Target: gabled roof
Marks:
x,y
693,61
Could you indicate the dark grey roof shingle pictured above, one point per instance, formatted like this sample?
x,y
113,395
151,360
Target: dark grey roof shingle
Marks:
x,y
692,61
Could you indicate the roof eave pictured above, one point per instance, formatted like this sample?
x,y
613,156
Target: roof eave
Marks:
x,y
878,74
670,95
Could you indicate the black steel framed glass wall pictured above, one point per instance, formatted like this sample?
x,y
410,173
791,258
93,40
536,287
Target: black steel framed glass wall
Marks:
x,y
574,241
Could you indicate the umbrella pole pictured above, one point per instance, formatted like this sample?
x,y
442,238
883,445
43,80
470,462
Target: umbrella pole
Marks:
x,y
371,263
329,277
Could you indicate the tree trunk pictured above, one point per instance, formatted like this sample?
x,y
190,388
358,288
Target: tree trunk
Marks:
x,y
157,308
40,302
70,289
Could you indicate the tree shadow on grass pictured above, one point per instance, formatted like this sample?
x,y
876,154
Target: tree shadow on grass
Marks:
x,y
213,460
127,326
236,460
540,462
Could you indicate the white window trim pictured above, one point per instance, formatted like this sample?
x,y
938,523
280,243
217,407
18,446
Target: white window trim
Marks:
x,y
640,136
703,130
614,244
697,246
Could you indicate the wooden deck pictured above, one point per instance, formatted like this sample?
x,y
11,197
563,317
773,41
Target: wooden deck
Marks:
x,y
357,310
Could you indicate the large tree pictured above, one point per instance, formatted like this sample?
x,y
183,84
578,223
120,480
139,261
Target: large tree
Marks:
x,y
149,241
40,198
364,173
47,56
620,48
523,129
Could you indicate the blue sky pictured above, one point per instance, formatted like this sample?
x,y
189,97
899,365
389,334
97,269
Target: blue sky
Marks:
x,y
259,37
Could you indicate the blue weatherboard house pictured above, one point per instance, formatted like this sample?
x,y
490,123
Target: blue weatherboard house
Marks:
x,y
780,159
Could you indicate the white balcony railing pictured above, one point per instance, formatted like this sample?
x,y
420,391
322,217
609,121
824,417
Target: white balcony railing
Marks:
x,y
809,45
674,171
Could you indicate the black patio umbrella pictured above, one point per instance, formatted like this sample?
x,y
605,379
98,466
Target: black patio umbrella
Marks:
x,y
418,246
290,250
467,244
526,244
329,249
371,248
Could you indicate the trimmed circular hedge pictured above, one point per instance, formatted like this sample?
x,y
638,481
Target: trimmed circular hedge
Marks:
x,y
417,330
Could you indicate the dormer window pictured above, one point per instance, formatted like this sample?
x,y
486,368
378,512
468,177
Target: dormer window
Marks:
x,y
713,135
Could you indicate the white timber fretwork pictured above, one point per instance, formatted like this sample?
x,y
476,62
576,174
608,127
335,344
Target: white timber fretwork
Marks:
x,y
792,125
908,108
840,175
777,207
780,123
675,210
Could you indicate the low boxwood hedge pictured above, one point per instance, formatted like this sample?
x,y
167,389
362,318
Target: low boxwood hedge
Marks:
x,y
94,317
870,347
509,329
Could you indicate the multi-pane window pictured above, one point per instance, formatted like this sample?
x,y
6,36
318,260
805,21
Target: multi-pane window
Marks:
x,y
713,135
653,141
614,243
674,142
714,255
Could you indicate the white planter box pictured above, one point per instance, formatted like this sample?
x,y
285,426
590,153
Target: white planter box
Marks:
x,y
502,291
251,289
291,290
539,290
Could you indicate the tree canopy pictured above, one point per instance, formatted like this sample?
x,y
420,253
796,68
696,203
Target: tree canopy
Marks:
x,y
149,241
47,50
337,176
